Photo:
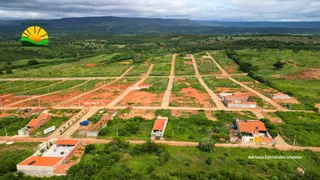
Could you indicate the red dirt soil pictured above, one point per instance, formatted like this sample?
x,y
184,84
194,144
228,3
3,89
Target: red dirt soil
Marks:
x,y
192,98
142,98
183,113
103,96
49,100
147,114
187,62
9,99
307,74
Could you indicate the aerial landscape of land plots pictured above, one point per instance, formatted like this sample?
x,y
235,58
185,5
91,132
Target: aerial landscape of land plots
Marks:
x,y
187,112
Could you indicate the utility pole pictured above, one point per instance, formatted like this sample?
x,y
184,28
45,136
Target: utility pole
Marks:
x,y
5,131
117,133
294,140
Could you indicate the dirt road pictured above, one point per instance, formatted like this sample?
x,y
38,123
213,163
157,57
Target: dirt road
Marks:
x,y
130,89
213,96
69,123
173,143
166,97
74,127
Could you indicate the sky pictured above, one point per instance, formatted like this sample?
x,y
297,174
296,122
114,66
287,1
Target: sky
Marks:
x,y
220,10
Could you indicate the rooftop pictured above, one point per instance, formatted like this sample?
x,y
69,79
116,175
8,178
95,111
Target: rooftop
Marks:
x,y
33,123
69,142
44,116
251,126
159,124
41,161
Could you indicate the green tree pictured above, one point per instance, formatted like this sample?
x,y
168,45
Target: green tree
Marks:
x,y
206,145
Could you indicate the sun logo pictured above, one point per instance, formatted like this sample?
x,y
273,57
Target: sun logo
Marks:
x,y
34,36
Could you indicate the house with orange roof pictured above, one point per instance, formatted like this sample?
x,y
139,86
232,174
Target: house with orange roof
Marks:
x,y
51,159
253,131
238,100
34,124
281,95
159,127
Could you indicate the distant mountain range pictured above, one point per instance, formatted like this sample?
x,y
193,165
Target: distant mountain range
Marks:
x,y
121,25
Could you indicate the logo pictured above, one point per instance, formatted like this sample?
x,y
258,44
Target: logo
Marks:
x,y
34,36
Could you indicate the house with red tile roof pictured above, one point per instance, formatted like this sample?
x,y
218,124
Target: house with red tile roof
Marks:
x,y
159,127
238,100
52,158
34,124
253,131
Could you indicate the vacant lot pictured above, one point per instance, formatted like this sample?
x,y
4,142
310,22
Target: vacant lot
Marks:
x,y
29,87
188,92
228,64
161,70
133,128
206,65
151,96
305,127
105,95
183,66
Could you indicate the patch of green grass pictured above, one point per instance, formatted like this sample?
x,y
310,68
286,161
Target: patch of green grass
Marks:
x,y
183,69
64,86
226,63
158,85
161,70
305,126
74,69
138,70
134,128
12,124
30,86
206,65
212,82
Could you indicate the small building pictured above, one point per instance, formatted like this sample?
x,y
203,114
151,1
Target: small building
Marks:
x,y
51,161
253,131
280,95
238,100
159,127
34,124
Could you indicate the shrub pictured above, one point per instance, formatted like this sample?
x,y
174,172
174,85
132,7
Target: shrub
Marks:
x,y
9,71
32,62
206,145
273,133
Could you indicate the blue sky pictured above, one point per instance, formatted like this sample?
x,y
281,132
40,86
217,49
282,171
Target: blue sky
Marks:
x,y
222,10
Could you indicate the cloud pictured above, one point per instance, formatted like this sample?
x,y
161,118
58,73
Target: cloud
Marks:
x,y
226,10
